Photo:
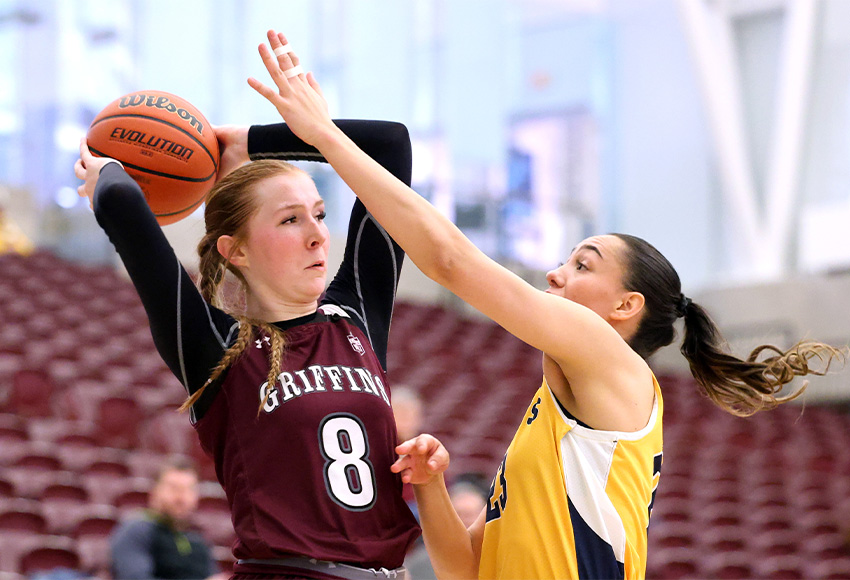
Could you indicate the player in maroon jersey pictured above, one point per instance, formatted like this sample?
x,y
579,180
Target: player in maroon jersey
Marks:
x,y
306,461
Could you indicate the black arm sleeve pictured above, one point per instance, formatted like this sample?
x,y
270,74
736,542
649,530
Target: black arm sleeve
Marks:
x,y
189,334
366,281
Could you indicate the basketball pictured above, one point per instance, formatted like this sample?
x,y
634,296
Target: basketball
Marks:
x,y
166,145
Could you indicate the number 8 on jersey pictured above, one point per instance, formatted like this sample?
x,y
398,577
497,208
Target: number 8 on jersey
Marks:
x,y
349,475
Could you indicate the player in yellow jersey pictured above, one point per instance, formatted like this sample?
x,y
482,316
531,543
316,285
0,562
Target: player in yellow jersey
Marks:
x,y
573,496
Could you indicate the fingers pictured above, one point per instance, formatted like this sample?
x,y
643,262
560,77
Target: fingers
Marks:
x,y
401,464
273,66
278,40
419,444
292,56
438,462
405,447
404,466
79,170
264,90
424,448
287,62
85,154
311,80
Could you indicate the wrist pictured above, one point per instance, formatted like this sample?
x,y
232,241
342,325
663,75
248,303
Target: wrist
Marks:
x,y
329,136
233,140
436,481
109,160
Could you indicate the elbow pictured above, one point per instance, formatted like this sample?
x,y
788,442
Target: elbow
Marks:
x,y
444,265
397,134
396,142
120,193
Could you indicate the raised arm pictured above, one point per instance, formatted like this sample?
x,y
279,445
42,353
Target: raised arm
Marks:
x,y
574,336
188,333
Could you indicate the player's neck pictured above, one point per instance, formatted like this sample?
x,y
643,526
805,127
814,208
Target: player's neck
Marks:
x,y
277,311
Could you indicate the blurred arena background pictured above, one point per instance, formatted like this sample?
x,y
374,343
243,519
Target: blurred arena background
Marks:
x,y
719,130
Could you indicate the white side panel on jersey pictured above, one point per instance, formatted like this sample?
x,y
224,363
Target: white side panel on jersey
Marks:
x,y
587,455
586,461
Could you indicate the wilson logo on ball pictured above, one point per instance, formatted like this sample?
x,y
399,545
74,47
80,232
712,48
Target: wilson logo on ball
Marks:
x,y
160,102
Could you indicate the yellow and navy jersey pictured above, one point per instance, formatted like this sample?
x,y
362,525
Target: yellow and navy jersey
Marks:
x,y
569,501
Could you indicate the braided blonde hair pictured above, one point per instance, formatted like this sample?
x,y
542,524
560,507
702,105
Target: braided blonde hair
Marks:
x,y
229,206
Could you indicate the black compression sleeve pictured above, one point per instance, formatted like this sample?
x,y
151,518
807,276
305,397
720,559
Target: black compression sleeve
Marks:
x,y
174,306
385,141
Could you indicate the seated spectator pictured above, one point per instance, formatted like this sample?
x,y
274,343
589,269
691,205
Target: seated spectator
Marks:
x,y
407,408
159,543
469,494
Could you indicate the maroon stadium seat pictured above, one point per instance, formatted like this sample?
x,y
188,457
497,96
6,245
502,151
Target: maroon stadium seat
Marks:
x,y
31,394
830,569
216,527
100,523
56,552
63,505
776,542
106,487
725,539
22,517
130,501
118,422
672,564
15,546
728,566
168,432
790,566
672,534
30,482
94,554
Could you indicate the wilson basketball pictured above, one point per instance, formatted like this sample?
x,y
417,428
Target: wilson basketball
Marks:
x,y
166,146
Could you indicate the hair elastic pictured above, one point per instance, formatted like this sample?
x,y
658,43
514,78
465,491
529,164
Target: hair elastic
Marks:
x,y
682,305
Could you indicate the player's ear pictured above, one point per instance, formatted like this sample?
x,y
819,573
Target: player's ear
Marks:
x,y
631,304
232,251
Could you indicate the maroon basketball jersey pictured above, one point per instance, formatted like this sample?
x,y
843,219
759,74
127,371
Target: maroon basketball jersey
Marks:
x,y
311,474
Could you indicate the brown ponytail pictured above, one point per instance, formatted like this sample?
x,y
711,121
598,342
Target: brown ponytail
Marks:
x,y
229,206
744,387
741,387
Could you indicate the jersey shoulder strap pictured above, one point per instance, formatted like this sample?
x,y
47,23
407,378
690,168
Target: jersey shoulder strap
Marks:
x,y
331,309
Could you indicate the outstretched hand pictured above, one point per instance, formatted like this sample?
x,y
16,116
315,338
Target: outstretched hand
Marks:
x,y
421,459
298,97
